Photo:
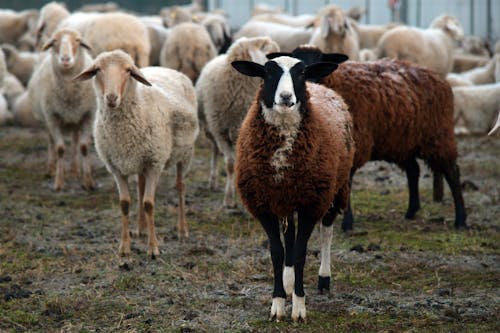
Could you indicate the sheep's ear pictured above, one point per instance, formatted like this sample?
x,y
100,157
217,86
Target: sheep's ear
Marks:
x,y
136,74
249,68
49,44
334,57
278,54
7,50
319,70
84,45
87,74
39,31
324,26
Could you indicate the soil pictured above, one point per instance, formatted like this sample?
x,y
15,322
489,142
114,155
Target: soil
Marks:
x,y
60,272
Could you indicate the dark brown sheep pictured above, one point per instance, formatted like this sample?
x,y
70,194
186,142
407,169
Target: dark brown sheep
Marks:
x,y
294,154
400,112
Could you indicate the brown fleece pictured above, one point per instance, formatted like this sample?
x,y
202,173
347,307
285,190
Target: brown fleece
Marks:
x,y
320,160
399,110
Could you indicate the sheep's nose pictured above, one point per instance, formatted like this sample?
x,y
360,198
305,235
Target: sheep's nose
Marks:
x,y
111,100
286,98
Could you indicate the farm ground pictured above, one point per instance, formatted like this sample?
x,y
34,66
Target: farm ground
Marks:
x,y
59,269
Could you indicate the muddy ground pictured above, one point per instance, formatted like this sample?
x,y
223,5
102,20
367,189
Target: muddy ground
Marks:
x,y
59,269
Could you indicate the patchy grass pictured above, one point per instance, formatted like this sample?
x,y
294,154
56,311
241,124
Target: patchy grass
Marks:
x,y
59,269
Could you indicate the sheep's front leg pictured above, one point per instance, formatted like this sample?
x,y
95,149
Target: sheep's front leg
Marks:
x,y
151,177
123,191
348,219
412,174
51,160
182,227
55,133
305,227
326,233
288,272
271,226
86,140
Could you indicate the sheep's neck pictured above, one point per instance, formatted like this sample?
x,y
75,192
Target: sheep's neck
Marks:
x,y
287,122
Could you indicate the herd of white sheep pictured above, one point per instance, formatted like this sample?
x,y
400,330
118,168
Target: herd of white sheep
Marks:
x,y
140,88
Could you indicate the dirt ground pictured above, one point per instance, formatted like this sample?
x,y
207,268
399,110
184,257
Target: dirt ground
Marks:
x,y
59,269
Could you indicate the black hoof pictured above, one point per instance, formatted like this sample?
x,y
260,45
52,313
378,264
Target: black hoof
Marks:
x,y
410,215
323,284
462,227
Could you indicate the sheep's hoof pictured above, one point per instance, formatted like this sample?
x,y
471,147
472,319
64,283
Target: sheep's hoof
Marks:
x,y
183,236
124,249
324,284
89,186
298,308
137,233
153,252
410,215
277,309
58,186
462,227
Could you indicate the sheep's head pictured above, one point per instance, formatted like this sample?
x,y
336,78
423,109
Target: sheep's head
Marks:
x,y
450,25
65,44
253,49
115,74
285,78
333,21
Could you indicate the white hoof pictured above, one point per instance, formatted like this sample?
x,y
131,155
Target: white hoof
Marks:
x,y
288,280
298,307
278,309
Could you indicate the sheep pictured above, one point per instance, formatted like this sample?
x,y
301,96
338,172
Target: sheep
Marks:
x,y
21,64
335,33
369,35
476,106
299,21
288,38
474,45
294,154
224,97
13,24
219,31
23,112
432,47
100,7
356,13
63,105
12,89
175,15
401,111
5,115
481,75
51,14
142,129
157,37
465,62
187,49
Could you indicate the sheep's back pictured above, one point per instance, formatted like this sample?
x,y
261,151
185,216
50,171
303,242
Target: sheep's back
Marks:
x,y
398,109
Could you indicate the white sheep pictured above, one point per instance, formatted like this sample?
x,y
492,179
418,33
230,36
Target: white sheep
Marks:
x,y
476,107
288,38
218,28
65,106
12,89
51,14
298,21
465,62
140,129
224,97
5,115
370,34
187,49
23,111
335,33
157,37
432,47
489,73
21,64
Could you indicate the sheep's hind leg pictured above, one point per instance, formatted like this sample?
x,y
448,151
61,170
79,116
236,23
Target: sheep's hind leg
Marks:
x,y
348,219
326,234
452,176
123,191
229,193
151,177
85,142
412,175
288,272
142,225
51,159
271,226
437,186
75,165
182,227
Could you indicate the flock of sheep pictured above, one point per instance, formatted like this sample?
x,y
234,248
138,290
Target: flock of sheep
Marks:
x,y
290,144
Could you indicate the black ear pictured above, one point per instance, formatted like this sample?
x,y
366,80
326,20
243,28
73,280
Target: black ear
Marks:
x,y
278,54
249,68
334,57
320,70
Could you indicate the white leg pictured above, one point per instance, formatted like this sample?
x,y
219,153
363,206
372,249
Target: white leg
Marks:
x,y
230,191
326,234
278,308
288,280
298,307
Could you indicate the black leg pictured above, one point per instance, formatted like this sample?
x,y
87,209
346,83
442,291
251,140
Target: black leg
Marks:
x,y
348,219
452,175
326,231
412,174
288,273
305,227
271,226
437,186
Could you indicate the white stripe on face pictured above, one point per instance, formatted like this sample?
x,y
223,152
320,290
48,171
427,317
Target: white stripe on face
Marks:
x,y
285,84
